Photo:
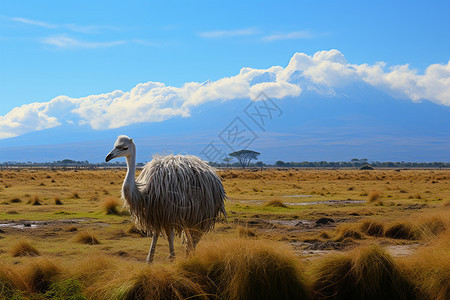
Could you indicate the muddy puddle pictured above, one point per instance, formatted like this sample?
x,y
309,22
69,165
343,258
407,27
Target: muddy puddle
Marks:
x,y
322,248
329,202
291,223
25,224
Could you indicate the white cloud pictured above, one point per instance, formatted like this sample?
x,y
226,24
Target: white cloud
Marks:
x,y
26,118
33,22
229,33
63,41
322,72
294,35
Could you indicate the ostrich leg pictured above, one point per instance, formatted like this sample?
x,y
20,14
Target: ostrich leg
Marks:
x,y
170,237
151,253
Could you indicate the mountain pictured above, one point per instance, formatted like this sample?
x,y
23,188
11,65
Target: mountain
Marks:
x,y
358,120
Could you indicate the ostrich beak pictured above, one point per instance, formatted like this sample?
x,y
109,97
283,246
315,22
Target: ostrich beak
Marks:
x,y
111,155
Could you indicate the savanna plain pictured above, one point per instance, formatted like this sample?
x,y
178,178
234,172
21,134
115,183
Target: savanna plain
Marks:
x,y
289,234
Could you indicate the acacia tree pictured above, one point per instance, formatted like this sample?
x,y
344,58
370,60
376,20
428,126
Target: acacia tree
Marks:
x,y
245,156
228,160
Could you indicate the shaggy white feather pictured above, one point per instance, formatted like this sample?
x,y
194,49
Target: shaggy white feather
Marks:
x,y
175,191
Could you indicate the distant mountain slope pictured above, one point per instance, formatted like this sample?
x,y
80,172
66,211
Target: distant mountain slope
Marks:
x,y
358,122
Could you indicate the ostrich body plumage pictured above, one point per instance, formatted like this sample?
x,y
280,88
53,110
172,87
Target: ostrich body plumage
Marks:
x,y
175,194
175,191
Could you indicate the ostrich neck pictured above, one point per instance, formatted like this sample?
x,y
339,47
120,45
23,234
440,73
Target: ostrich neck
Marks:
x,y
129,185
131,170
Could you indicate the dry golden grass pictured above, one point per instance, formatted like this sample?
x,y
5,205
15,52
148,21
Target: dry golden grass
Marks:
x,y
86,237
35,200
372,228
347,232
431,225
57,201
11,282
244,269
275,203
24,248
109,273
38,274
110,205
402,230
15,200
133,230
158,282
245,232
365,273
373,196
429,268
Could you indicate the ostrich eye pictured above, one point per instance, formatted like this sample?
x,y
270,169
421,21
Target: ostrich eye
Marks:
x,y
125,148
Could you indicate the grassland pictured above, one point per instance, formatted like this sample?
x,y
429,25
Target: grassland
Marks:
x,y
341,234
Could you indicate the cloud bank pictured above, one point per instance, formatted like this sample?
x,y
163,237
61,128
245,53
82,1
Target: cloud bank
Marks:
x,y
323,72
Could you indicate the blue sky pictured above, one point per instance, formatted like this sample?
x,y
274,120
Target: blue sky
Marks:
x,y
84,48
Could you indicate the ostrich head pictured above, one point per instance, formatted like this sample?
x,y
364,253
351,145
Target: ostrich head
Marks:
x,y
124,146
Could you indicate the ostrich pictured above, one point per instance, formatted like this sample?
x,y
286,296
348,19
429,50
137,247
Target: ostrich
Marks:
x,y
174,194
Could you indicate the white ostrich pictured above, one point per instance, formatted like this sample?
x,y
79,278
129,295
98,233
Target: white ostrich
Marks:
x,y
175,194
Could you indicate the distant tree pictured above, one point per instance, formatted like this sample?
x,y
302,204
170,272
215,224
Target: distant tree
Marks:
x,y
245,156
227,160
354,160
280,163
259,164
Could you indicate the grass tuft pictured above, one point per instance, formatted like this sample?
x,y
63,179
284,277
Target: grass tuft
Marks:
x,y
110,205
275,203
344,232
158,283
58,201
87,238
247,269
10,283
35,200
70,289
432,225
39,274
15,200
372,228
373,196
24,248
245,232
430,269
132,229
365,273
402,230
